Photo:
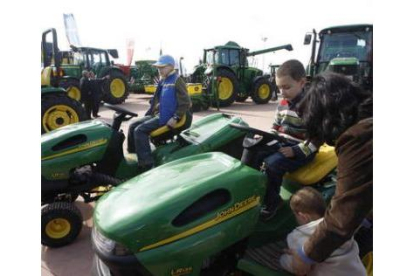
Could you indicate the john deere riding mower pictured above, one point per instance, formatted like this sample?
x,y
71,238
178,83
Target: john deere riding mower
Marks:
x,y
202,218
227,77
87,159
346,50
58,109
115,90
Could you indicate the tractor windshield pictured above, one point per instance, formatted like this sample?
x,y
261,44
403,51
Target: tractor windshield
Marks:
x,y
356,44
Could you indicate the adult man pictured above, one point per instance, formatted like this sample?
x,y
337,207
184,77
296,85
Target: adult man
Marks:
x,y
168,106
95,96
86,92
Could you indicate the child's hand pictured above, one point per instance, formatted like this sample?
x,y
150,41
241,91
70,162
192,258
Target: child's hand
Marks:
x,y
288,251
287,152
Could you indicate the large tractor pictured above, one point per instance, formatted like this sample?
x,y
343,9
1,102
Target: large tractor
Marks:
x,y
115,90
346,50
227,77
58,109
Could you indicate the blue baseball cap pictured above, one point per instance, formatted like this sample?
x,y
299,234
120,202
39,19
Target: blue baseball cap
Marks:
x,y
164,61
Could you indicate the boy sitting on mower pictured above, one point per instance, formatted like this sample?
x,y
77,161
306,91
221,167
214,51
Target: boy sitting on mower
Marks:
x,y
168,106
308,206
279,158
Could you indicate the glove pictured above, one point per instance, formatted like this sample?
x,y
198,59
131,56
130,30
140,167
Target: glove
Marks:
x,y
172,122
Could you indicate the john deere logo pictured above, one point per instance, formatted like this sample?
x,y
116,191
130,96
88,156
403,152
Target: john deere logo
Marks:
x,y
181,271
237,206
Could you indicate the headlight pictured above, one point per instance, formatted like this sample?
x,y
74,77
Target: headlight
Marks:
x,y
108,246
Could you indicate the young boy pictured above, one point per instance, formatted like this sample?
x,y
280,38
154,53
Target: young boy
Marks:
x,y
308,206
279,158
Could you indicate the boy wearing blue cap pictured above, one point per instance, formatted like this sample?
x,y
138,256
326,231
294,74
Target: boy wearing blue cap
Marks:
x,y
169,104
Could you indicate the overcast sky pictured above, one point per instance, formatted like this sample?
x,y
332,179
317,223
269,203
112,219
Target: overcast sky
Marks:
x,y
185,28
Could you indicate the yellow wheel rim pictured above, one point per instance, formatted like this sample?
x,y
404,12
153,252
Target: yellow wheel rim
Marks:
x,y
368,262
117,88
74,93
264,91
225,89
59,116
58,228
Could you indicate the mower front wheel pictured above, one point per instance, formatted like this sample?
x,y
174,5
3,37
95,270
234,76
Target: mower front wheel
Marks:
x,y
61,224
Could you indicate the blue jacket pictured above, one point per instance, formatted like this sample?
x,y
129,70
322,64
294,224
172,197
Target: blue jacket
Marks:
x,y
166,96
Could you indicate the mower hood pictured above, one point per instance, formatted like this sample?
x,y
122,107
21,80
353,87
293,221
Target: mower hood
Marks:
x,y
146,211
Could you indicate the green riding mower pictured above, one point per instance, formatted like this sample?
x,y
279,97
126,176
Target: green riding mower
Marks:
x,y
201,219
87,159
58,108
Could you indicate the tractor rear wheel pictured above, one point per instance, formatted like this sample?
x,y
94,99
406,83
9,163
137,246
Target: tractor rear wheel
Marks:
x,y
59,111
61,224
115,89
262,91
72,88
227,88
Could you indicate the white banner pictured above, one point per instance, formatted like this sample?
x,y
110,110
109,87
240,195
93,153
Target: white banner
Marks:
x,y
71,30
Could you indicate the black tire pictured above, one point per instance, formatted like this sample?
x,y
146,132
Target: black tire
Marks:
x,y
59,110
61,224
262,91
228,88
115,90
241,99
72,87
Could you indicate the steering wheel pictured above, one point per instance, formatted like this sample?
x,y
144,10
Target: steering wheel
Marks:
x,y
120,110
264,134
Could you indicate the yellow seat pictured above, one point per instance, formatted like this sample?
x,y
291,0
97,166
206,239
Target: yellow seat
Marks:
x,y
324,162
46,74
164,129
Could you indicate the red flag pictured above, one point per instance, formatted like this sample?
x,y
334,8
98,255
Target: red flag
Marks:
x,y
130,51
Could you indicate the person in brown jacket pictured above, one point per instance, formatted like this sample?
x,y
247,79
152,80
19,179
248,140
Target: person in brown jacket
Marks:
x,y
339,113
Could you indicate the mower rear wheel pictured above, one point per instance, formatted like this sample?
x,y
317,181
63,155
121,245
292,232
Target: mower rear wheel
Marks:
x,y
115,89
262,91
61,224
72,88
59,111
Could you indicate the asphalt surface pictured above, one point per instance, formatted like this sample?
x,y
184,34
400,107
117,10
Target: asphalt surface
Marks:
x,y
76,258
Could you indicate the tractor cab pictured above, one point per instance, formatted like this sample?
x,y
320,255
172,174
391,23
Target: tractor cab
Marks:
x,y
231,54
92,58
51,59
347,50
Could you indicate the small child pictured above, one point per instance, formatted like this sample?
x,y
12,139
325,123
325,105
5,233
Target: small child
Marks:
x,y
308,206
279,158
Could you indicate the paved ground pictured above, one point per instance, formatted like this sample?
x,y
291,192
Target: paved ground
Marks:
x,y
76,258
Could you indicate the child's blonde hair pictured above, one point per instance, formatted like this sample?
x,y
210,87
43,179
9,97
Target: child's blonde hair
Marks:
x,y
308,200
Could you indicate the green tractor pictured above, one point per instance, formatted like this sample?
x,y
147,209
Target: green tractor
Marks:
x,y
142,74
115,90
199,215
227,77
346,50
87,159
58,109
